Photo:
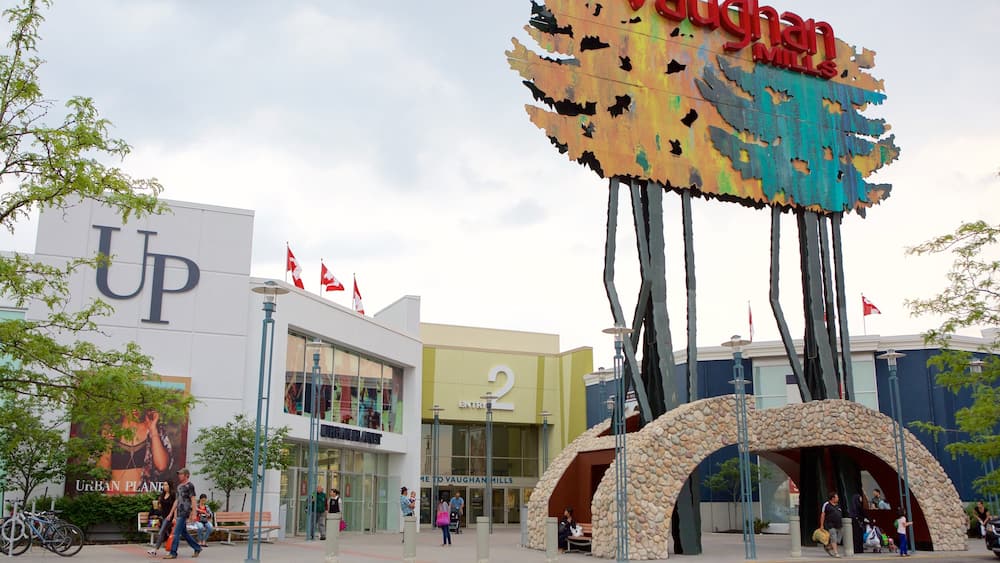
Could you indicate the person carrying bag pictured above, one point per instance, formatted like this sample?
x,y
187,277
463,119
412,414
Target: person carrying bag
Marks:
x,y
443,521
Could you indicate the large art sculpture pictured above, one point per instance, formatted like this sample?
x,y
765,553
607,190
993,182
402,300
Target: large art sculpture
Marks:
x,y
729,100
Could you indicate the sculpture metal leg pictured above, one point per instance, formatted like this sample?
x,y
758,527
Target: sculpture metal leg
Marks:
x,y
819,371
632,365
845,338
779,315
828,309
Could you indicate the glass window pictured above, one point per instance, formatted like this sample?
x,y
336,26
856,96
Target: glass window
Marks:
x,y
397,399
295,358
370,403
345,392
477,441
388,395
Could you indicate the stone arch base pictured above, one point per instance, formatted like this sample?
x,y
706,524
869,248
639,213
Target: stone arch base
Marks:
x,y
664,453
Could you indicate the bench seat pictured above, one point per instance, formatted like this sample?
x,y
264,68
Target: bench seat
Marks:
x,y
238,524
580,543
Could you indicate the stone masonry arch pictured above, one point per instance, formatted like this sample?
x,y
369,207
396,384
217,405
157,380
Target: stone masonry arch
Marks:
x,y
663,454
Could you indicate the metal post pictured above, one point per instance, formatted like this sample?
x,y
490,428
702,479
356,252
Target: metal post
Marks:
x,y
267,422
435,469
313,443
409,539
270,291
848,528
891,356
618,421
895,438
333,537
795,531
483,539
489,397
545,439
743,443
551,539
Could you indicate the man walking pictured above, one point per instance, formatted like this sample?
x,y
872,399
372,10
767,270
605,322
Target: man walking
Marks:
x,y
831,518
458,507
183,510
319,513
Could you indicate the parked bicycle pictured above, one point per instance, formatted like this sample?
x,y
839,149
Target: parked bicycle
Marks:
x,y
23,528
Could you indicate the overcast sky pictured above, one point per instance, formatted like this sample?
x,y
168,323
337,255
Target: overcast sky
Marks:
x,y
390,139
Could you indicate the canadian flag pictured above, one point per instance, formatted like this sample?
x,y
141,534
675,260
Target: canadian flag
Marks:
x,y
328,280
292,265
358,306
750,316
869,308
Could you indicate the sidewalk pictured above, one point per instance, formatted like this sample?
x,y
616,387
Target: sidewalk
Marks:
x,y
380,548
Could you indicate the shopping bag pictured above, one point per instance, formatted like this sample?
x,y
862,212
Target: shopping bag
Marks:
x,y
822,536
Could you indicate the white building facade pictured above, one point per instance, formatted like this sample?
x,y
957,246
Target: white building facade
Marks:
x,y
180,285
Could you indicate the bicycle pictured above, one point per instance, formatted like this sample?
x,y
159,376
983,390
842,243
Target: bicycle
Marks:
x,y
23,528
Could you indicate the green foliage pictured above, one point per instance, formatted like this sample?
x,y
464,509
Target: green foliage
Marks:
x,y
89,509
51,157
760,525
226,455
970,300
727,478
32,447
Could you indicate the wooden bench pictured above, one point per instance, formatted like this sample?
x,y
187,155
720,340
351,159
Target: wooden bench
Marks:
x,y
142,525
238,524
580,543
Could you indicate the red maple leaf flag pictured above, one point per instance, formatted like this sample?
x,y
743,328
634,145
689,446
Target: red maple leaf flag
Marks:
x,y
357,298
292,265
750,316
869,308
328,280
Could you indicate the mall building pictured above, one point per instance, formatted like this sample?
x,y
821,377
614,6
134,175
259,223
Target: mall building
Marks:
x,y
181,288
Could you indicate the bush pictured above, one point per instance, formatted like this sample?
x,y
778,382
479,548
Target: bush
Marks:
x,y
89,509
759,525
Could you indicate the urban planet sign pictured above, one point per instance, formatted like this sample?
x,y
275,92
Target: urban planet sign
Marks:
x,y
158,284
728,100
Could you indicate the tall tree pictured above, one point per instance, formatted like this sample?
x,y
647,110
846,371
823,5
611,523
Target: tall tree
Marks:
x,y
51,157
226,455
33,448
970,300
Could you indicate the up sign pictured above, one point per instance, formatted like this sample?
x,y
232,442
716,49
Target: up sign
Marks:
x,y
158,287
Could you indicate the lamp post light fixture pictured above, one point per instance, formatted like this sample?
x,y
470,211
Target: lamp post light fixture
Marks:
x,y
270,290
743,444
435,440
545,439
316,345
618,423
489,397
890,356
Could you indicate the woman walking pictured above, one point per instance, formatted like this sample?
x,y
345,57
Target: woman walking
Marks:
x,y
444,522
162,506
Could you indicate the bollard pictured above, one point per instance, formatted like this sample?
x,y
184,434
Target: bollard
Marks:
x,y
551,539
848,528
482,539
409,539
795,530
333,537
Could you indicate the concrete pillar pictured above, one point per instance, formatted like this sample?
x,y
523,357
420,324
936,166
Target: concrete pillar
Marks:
x,y
409,539
848,537
333,538
795,531
551,539
482,539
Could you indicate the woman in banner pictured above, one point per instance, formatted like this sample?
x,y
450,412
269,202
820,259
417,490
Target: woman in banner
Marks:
x,y
140,457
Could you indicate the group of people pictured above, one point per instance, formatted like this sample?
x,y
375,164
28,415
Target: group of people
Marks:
x,y
448,512
175,509
831,519
322,505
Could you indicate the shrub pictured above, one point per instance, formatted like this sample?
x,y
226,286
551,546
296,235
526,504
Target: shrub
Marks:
x,y
759,525
89,509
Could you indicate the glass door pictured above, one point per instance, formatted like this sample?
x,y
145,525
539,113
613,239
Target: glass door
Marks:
x,y
474,508
513,506
368,502
498,506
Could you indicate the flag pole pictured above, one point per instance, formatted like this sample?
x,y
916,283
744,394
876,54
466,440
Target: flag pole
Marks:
x,y
287,249
864,317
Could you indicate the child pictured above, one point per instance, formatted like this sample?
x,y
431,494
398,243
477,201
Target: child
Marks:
x,y
204,520
901,525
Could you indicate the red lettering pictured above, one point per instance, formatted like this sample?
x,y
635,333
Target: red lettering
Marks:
x,y
829,40
711,21
763,54
773,24
794,35
828,69
743,28
679,13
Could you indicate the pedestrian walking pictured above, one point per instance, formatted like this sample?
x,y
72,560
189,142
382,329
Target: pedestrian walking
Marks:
x,y
319,513
183,510
831,519
443,521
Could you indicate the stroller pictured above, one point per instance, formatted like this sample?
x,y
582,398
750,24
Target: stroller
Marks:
x,y
873,537
453,524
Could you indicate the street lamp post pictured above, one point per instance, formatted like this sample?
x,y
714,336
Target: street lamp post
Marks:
x,y
316,345
897,407
435,437
743,444
545,439
620,431
489,398
270,290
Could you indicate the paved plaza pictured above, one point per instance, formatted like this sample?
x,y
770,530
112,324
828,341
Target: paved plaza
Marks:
x,y
379,548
